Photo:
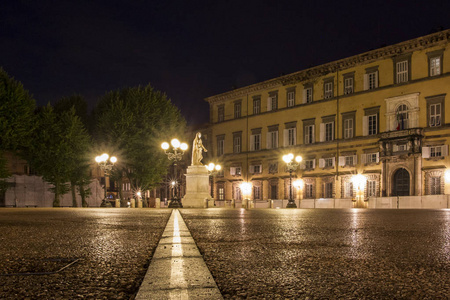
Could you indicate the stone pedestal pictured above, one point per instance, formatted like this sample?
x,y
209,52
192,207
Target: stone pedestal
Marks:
x,y
197,187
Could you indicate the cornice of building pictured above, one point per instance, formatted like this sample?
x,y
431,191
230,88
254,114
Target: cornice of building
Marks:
x,y
306,75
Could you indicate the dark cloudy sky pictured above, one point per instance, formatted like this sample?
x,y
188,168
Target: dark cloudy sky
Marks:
x,y
193,49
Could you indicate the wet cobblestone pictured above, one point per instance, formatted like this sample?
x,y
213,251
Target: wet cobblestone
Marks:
x,y
114,247
325,254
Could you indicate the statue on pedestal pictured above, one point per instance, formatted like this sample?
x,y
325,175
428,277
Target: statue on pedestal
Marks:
x,y
197,148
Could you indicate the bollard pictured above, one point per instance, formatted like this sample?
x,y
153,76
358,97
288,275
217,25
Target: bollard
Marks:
x,y
271,203
117,202
133,203
205,203
158,203
139,203
244,203
233,203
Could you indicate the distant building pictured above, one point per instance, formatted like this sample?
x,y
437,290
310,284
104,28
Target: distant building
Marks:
x,y
381,114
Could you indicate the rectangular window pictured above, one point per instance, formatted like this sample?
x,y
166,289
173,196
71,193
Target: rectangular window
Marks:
x,y
348,191
256,106
328,90
348,85
329,162
220,113
256,192
435,185
309,134
308,94
435,115
328,190
372,124
436,151
237,110
255,169
348,128
372,158
329,130
309,164
221,192
220,146
272,101
372,188
290,95
371,79
291,136
309,191
402,71
349,160
272,140
435,66
237,144
255,142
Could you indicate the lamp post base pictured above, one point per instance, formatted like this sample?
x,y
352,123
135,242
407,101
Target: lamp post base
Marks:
x,y
175,203
291,204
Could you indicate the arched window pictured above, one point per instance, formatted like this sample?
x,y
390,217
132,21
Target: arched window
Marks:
x,y
402,117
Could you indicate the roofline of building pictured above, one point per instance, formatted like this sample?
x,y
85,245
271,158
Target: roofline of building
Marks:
x,y
342,64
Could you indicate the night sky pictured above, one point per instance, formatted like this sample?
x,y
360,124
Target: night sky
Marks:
x,y
191,49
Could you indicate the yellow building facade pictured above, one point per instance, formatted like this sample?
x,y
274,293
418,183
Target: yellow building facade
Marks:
x,y
380,114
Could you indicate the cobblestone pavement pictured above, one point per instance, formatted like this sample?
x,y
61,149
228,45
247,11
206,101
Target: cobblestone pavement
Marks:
x,y
325,254
114,247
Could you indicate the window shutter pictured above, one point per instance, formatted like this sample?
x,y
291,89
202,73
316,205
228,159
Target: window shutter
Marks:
x,y
341,161
425,152
355,160
334,161
378,157
260,168
276,140
365,125
376,79
313,134
366,82
251,169
269,103
268,140
285,137
295,136
252,142
304,96
314,163
322,132
232,171
321,163
444,150
332,131
363,158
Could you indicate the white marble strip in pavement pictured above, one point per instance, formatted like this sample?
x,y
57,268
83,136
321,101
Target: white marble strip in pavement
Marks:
x,y
177,270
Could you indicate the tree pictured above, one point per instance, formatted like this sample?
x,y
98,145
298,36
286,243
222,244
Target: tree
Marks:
x,y
58,143
16,113
136,121
79,176
16,120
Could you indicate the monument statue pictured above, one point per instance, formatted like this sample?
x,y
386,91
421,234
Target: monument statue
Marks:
x,y
197,148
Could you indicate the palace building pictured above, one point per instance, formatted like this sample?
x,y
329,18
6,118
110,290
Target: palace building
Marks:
x,y
380,114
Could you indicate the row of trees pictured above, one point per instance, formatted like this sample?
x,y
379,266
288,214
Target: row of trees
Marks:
x,y
59,142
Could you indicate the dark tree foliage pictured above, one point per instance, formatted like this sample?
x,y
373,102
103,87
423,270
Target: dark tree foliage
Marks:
x,y
58,143
135,121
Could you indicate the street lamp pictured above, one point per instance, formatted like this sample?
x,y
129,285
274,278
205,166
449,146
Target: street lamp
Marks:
x,y
359,181
291,165
213,169
106,163
175,154
246,189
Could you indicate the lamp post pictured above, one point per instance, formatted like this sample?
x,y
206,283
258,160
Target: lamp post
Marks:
x,y
175,154
299,184
106,163
291,165
246,189
359,181
213,169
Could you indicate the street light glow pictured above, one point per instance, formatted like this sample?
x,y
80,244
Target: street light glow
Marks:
x,y
165,145
98,159
104,157
218,167
175,143
183,146
298,158
113,159
246,188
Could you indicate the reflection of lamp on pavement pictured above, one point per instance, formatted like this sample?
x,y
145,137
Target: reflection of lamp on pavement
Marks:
x,y
291,165
106,163
246,189
213,169
359,181
299,184
176,156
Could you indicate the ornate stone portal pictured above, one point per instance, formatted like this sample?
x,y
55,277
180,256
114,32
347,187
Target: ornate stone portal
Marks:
x,y
197,178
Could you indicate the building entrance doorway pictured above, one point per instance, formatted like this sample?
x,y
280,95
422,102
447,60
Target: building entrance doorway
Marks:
x,y
401,183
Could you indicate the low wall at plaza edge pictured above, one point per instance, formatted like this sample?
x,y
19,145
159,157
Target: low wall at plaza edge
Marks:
x,y
410,202
29,191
